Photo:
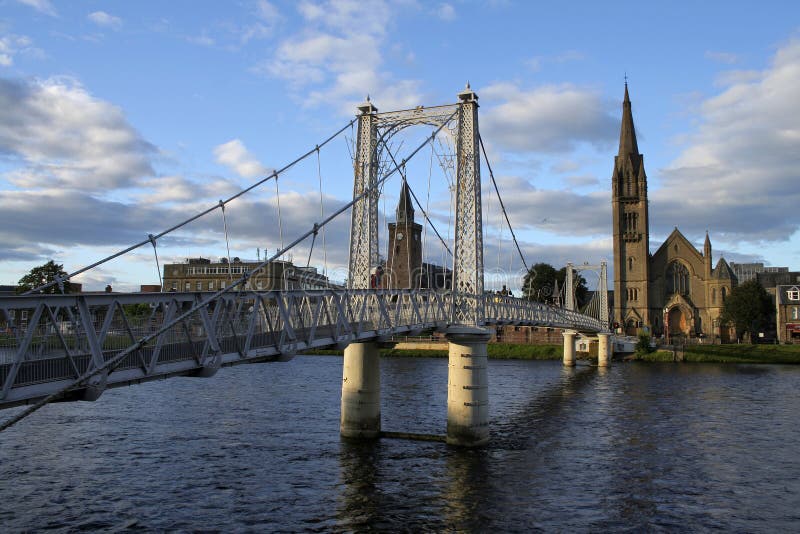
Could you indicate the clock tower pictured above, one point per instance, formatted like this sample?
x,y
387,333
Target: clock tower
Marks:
x,y
404,260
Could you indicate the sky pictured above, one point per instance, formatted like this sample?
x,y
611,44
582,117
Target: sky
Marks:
x,y
121,119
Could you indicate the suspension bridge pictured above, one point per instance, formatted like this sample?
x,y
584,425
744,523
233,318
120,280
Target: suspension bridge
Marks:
x,y
74,346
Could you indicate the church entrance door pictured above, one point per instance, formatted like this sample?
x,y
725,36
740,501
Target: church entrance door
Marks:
x,y
678,322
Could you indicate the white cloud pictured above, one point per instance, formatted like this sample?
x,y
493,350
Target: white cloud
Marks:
x,y
722,57
547,118
738,172
11,45
42,6
57,134
446,12
337,57
101,18
235,156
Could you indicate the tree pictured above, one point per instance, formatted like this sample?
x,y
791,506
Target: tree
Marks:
x,y
539,284
749,308
44,274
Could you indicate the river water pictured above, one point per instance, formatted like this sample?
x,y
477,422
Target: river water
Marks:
x,y
256,448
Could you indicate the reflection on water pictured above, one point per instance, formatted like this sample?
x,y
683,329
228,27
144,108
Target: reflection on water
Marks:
x,y
632,447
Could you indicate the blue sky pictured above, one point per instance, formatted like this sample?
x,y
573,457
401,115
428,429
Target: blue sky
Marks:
x,y
118,119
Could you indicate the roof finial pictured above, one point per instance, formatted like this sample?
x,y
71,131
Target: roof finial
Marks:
x,y
367,97
626,78
468,87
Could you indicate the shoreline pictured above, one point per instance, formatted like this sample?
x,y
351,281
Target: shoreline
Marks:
x,y
745,354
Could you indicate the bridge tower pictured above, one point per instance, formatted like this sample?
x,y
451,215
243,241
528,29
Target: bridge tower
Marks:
x,y
468,395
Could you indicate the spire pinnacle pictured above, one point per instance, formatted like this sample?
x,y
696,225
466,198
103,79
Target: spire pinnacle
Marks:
x,y
627,135
405,209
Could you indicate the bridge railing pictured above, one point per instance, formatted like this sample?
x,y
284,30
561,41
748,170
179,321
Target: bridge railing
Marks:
x,y
50,339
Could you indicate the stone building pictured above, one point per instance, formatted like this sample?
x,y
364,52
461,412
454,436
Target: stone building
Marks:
x,y
675,291
787,313
201,274
404,266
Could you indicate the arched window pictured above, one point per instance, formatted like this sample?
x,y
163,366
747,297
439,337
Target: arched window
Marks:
x,y
677,279
630,264
724,293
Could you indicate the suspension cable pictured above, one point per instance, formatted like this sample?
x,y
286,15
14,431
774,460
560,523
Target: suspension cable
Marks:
x,y
274,174
158,267
111,363
322,215
502,206
280,217
227,243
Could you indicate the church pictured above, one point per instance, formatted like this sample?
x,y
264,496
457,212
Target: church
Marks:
x,y
675,291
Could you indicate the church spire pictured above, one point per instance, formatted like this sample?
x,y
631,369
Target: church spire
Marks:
x,y
405,209
627,135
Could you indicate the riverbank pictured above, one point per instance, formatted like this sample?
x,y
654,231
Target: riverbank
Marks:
x,y
781,354
496,351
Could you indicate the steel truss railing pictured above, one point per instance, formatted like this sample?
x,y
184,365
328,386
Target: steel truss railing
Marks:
x,y
46,342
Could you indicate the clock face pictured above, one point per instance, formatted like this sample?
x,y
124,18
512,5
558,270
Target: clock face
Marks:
x,y
399,236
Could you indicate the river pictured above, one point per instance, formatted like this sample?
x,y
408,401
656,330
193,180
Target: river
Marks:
x,y
256,448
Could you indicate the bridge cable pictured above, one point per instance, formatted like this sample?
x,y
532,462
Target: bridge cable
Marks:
x,y
274,174
227,243
280,217
114,361
158,267
322,215
502,206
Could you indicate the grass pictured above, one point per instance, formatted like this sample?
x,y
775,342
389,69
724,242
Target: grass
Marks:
x,y
783,354
496,351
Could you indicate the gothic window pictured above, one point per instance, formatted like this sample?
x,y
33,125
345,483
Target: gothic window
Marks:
x,y
630,264
677,279
724,293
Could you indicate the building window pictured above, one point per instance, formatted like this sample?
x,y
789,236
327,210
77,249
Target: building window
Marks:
x,y
211,286
793,294
630,264
188,286
677,279
795,313
199,285
724,294
713,295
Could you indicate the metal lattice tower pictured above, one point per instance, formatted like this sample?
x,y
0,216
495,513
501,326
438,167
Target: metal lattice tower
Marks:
x,y
601,295
374,130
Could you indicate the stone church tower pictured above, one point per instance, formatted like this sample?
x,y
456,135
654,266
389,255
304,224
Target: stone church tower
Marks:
x,y
404,262
630,228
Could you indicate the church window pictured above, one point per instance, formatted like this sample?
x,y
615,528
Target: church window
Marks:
x,y
793,294
630,264
724,293
677,279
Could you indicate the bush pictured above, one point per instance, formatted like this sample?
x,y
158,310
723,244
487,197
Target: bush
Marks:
x,y
643,346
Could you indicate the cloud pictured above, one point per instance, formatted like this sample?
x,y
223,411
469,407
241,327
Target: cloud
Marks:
x,y
446,12
722,57
738,173
11,45
546,119
56,134
42,6
101,18
338,55
558,211
236,157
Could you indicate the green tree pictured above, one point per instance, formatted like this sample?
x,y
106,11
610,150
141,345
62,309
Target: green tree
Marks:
x,y
539,284
41,275
749,308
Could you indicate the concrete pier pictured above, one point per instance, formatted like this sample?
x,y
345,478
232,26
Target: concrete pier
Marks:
x,y
361,392
569,347
467,387
603,350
